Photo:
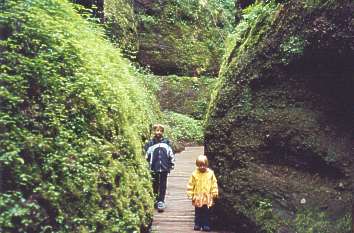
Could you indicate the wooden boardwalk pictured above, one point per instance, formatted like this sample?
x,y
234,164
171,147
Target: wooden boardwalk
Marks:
x,y
178,216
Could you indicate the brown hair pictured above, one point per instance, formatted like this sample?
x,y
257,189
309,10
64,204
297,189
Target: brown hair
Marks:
x,y
201,160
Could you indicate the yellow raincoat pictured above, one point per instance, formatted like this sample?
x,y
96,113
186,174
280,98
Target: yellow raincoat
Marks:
x,y
202,188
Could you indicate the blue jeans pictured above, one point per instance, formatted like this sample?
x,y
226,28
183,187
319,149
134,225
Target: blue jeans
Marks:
x,y
201,216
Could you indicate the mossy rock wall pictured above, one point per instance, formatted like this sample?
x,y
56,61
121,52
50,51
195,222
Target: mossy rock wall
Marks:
x,y
181,37
185,95
121,25
280,127
73,115
171,37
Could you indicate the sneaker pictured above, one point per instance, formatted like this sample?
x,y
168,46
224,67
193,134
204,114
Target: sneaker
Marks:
x,y
160,206
206,228
196,228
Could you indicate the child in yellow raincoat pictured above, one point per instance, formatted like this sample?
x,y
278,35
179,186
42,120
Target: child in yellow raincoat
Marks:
x,y
202,189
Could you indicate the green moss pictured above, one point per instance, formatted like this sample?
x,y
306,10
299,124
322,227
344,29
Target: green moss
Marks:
x,y
312,221
121,26
182,37
73,117
175,89
273,123
257,20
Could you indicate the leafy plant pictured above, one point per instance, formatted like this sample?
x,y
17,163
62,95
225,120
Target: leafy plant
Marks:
x,y
73,116
315,221
121,26
183,128
292,47
265,216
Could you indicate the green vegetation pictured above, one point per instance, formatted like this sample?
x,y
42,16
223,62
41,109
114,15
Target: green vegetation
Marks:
x,y
184,101
74,111
278,125
186,95
316,221
263,213
174,37
256,20
72,120
293,47
183,37
184,129
306,220
121,26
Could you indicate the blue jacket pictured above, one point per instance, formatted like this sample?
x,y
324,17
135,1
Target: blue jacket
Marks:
x,y
160,155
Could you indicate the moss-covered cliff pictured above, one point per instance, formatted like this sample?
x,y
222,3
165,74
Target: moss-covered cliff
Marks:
x,y
185,95
121,24
280,126
181,37
73,114
184,102
171,37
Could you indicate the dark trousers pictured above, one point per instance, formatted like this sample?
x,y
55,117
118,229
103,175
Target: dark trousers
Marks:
x,y
159,183
201,216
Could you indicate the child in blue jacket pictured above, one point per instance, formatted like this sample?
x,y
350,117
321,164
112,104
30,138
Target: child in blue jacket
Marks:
x,y
161,159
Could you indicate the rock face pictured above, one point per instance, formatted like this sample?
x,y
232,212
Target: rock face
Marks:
x,y
280,129
121,26
180,37
185,95
170,37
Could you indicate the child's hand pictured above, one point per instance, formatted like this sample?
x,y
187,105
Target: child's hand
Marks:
x,y
193,200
